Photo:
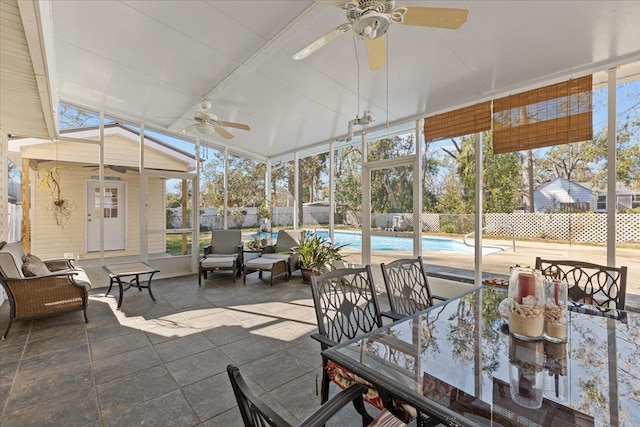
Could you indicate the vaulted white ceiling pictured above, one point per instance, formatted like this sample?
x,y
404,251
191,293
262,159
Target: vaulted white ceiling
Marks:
x,y
154,61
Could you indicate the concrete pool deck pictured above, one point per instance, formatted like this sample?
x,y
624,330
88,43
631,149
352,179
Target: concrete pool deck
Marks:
x,y
498,264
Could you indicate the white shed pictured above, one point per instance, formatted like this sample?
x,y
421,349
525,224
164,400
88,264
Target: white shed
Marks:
x,y
561,193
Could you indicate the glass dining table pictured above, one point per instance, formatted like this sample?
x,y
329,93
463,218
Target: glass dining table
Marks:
x,y
458,363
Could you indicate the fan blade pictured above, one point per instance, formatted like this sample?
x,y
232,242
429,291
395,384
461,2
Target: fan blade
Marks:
x,y
376,53
322,41
439,17
223,132
234,125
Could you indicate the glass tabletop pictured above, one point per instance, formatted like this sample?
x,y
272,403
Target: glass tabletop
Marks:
x,y
129,269
459,361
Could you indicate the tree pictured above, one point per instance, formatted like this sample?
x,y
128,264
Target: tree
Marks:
x,y
570,161
627,151
349,178
71,118
501,178
245,181
392,188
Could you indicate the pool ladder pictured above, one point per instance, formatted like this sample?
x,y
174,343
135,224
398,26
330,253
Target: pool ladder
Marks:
x,y
513,236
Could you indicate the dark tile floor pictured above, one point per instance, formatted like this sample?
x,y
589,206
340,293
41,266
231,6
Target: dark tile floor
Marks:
x,y
165,364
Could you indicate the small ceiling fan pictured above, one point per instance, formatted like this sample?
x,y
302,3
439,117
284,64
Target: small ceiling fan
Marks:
x,y
370,20
114,168
207,123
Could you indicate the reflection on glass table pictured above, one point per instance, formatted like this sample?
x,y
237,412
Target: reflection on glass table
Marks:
x,y
458,362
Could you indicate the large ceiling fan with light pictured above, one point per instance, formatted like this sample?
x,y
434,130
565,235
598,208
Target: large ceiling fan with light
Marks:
x,y
208,123
370,20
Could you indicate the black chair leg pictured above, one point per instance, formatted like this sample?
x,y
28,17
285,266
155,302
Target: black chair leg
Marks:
x,y
360,409
324,391
8,327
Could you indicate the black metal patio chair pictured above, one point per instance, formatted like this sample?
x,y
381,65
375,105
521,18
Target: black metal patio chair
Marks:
x,y
256,413
407,287
589,283
346,307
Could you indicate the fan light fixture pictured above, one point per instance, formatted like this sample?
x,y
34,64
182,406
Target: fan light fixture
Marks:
x,y
204,128
370,20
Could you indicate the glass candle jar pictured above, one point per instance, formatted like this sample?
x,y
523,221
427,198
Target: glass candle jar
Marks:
x,y
555,310
526,372
526,303
556,381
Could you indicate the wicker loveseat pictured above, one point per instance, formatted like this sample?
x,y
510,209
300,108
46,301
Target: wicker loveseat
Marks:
x,y
63,290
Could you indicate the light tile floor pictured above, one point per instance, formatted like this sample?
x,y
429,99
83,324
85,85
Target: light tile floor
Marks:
x,y
165,364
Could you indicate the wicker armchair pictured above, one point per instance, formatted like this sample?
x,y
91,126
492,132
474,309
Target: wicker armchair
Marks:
x,y
64,290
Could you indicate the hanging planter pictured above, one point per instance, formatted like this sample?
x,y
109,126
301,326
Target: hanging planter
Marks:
x,y
59,206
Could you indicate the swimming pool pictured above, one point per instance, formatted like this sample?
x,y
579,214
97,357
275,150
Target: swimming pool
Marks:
x,y
353,240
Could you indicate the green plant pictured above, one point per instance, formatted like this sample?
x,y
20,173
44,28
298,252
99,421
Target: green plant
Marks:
x,y
256,243
317,252
264,211
448,228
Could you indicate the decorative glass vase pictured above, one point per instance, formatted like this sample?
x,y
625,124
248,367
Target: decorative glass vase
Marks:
x,y
526,372
555,310
526,303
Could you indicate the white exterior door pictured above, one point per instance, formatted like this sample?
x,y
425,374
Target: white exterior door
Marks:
x,y
113,212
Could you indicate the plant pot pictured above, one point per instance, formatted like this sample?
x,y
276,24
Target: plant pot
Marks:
x,y
307,273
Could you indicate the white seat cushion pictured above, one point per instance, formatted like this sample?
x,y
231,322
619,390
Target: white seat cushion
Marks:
x,y
213,261
277,256
263,263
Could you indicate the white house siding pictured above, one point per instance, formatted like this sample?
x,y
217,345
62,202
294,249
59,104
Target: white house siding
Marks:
x,y
549,197
50,241
118,151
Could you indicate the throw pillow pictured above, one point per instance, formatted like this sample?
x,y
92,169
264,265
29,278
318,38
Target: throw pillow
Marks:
x,y
33,266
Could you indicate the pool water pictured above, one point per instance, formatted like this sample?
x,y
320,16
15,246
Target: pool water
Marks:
x,y
353,240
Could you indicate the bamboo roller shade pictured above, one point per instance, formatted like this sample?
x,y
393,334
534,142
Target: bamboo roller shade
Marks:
x,y
464,121
551,115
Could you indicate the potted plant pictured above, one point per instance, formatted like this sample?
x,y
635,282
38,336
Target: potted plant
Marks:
x,y
264,213
316,253
257,243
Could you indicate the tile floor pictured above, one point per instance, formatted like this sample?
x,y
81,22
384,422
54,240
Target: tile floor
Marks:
x,y
165,364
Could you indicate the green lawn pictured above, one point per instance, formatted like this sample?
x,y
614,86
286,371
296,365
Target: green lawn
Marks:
x,y
174,243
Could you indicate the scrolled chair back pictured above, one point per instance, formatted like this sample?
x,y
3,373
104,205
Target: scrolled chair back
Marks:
x,y
346,303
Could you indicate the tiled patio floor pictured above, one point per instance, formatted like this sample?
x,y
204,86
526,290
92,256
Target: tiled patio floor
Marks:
x,y
165,364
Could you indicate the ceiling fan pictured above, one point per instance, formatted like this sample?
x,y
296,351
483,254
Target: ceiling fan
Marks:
x,y
114,168
207,123
370,20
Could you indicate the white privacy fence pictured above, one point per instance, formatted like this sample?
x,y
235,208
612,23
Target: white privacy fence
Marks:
x,y
580,227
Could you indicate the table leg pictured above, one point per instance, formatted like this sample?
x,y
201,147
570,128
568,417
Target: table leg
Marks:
x,y
121,292
149,288
110,285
